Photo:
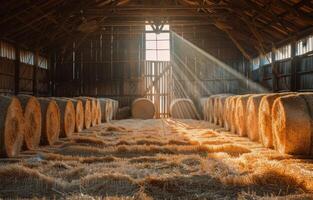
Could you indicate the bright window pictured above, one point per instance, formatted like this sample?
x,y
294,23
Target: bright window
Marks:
x,y
266,59
157,44
7,50
283,52
305,45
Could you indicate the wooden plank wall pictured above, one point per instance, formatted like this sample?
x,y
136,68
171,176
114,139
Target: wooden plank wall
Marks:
x,y
103,65
196,74
17,77
291,74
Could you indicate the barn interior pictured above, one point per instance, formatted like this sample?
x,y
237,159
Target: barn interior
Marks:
x,y
167,99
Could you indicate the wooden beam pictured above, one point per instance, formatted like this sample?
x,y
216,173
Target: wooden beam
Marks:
x,y
17,71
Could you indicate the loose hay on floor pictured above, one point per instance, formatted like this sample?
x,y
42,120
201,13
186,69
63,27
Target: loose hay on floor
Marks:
x,y
157,159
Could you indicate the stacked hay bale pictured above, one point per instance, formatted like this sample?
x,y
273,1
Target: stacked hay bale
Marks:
x,y
292,123
203,105
183,109
106,109
12,126
67,113
143,108
93,111
232,113
220,108
252,111
210,108
79,114
87,111
115,106
241,115
265,118
227,114
99,113
205,109
32,116
51,121
281,121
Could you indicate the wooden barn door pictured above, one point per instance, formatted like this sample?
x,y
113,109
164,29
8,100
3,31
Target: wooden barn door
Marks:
x,y
158,85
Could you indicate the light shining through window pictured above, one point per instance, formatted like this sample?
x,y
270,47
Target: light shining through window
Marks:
x,y
157,45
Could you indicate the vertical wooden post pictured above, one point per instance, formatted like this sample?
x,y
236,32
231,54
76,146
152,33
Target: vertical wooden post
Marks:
x,y
294,63
17,71
274,71
51,62
35,78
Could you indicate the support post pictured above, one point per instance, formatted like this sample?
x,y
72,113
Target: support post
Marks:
x,y
274,71
17,71
294,64
35,78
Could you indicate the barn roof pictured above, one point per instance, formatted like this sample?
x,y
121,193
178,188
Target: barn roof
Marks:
x,y
253,25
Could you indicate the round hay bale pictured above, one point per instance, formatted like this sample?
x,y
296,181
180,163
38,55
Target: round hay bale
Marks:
x,y
79,114
210,108
227,112
93,111
183,109
143,108
252,122
203,101
115,106
68,118
291,123
98,106
221,108
12,126
232,113
32,116
87,111
205,109
51,121
265,118
241,115
215,108
106,109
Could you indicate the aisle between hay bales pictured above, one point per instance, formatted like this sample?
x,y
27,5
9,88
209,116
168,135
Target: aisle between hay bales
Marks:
x,y
156,159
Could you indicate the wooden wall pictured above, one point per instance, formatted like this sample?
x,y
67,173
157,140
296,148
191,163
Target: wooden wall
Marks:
x,y
103,65
19,77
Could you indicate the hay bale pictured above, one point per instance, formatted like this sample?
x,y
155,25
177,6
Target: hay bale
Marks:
x,y
93,111
87,111
241,115
205,109
265,118
98,106
232,113
32,116
203,105
220,108
143,108
252,122
12,126
183,109
210,108
67,116
51,121
115,106
291,123
227,112
106,110
79,114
